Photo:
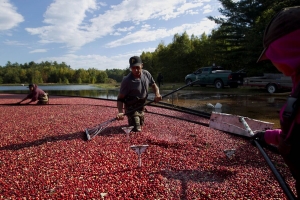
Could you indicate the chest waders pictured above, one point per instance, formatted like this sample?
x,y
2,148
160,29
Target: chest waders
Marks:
x,y
43,99
134,106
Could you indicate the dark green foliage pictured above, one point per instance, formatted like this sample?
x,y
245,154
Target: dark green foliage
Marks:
x,y
116,74
48,72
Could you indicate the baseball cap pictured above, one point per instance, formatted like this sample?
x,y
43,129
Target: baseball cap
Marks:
x,y
283,23
135,61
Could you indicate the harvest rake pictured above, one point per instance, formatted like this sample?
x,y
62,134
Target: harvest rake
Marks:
x,y
92,132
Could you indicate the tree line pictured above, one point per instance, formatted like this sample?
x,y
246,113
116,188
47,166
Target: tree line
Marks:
x,y
53,72
235,44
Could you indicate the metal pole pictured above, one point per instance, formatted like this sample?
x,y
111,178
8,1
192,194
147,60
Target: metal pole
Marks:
x,y
149,102
288,192
173,96
286,189
140,160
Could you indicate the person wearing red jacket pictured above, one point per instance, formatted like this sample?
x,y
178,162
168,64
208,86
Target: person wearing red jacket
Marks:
x,y
36,94
282,47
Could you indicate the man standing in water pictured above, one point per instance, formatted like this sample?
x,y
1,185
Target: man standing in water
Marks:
x,y
134,92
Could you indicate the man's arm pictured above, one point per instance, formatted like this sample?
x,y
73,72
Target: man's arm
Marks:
x,y
30,101
27,97
33,96
120,105
155,89
22,100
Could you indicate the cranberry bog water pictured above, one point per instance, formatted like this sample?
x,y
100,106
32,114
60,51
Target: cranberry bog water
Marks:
x,y
44,155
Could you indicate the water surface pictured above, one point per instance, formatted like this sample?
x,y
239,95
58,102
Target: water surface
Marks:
x,y
68,90
262,107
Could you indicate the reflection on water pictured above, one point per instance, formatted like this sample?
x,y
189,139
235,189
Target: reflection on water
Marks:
x,y
68,90
51,87
261,107
104,94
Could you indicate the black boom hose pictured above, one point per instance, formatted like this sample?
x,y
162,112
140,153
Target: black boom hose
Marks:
x,y
288,192
172,92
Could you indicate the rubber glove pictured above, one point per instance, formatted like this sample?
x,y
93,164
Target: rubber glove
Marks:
x,y
260,137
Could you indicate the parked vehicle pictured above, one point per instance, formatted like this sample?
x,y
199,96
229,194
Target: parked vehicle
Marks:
x,y
216,76
271,82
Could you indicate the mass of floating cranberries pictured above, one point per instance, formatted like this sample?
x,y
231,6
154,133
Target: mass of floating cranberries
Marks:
x,y
44,155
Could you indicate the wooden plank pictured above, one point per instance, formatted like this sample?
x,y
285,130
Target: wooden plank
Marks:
x,y
232,124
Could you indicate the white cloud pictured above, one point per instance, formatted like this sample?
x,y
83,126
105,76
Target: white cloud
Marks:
x,y
116,34
91,61
125,29
66,21
9,18
207,9
13,43
96,61
39,51
197,29
143,35
146,35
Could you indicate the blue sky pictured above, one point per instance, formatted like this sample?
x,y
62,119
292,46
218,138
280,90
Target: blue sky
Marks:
x,y
96,34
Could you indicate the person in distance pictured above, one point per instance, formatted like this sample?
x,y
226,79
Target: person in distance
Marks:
x,y
36,94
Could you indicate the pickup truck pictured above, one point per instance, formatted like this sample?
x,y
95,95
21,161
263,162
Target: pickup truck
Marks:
x,y
216,76
271,82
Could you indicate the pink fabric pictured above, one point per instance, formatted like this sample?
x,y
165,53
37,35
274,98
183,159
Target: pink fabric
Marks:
x,y
272,136
285,51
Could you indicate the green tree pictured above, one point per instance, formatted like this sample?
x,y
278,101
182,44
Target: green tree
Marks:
x,y
23,76
147,58
66,81
36,77
116,74
238,40
101,77
83,75
11,75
